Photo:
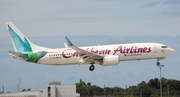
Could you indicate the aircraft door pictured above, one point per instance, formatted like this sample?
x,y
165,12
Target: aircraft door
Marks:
x,y
155,50
163,50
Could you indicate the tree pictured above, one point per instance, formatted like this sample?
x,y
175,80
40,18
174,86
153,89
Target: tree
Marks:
x,y
154,83
147,89
98,90
28,89
23,90
81,88
90,90
154,95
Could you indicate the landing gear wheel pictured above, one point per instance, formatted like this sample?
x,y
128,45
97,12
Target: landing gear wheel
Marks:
x,y
91,68
158,63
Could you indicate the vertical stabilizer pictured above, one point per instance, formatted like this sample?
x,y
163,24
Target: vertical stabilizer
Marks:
x,y
20,42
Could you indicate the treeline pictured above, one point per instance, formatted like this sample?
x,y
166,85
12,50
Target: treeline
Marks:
x,y
151,88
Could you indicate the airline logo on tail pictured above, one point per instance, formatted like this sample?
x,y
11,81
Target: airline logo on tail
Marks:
x,y
18,43
22,48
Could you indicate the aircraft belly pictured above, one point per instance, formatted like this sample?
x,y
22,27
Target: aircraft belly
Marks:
x,y
58,61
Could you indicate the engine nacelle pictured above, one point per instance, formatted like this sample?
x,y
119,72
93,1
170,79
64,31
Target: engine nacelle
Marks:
x,y
110,60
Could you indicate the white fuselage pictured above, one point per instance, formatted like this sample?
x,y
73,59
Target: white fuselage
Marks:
x,y
105,55
126,52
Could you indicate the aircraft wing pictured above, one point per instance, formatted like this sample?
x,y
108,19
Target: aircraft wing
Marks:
x,y
88,57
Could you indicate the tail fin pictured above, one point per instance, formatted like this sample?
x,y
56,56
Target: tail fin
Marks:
x,y
20,42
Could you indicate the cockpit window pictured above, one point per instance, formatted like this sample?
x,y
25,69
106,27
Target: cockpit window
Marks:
x,y
163,46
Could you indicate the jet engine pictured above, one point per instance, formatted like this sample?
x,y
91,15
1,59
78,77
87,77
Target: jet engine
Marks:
x,y
110,60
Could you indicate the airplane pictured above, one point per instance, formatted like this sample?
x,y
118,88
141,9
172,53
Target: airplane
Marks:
x,y
105,55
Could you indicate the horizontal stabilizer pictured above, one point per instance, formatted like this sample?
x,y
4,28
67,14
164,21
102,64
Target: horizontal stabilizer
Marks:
x,y
16,54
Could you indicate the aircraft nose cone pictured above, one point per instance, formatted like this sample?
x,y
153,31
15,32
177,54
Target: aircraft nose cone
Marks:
x,y
171,50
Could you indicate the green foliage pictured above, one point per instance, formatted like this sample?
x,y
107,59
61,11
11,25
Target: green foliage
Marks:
x,y
23,90
143,89
154,95
151,88
28,89
84,89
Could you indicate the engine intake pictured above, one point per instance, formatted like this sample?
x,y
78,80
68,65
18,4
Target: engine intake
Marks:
x,y
110,60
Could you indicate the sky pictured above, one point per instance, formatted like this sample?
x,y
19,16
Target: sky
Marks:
x,y
89,22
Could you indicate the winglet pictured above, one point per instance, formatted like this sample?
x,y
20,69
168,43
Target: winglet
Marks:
x,y
68,41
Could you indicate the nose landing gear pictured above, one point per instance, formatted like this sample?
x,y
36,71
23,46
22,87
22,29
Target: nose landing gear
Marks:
x,y
158,63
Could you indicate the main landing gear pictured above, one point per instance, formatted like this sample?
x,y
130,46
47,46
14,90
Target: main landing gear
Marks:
x,y
91,68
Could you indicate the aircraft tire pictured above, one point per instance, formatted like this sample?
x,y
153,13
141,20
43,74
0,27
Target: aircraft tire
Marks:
x,y
92,67
158,63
